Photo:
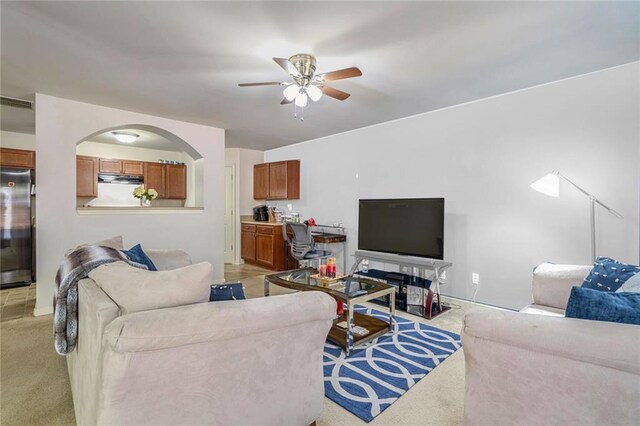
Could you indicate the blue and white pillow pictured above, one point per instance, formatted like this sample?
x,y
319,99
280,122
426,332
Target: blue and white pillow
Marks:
x,y
136,254
610,275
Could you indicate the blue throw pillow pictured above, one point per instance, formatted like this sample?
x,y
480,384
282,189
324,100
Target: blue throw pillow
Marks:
x,y
609,275
231,291
586,303
135,254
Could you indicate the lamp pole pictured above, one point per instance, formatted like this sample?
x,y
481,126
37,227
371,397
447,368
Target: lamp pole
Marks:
x,y
592,201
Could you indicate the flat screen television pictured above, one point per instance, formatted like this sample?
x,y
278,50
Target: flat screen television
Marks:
x,y
410,226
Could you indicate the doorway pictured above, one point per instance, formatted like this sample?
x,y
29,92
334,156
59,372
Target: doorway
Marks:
x,y
229,219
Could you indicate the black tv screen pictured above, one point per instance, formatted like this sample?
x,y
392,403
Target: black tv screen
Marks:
x,y
411,226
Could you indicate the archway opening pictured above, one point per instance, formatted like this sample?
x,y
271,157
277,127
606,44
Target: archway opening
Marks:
x,y
118,166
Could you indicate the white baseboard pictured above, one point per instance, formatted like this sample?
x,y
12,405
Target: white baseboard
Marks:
x,y
43,310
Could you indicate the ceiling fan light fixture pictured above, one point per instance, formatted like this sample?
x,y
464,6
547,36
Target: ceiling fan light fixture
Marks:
x,y
125,137
301,99
314,93
291,91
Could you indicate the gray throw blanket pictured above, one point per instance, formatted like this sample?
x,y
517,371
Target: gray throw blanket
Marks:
x,y
75,267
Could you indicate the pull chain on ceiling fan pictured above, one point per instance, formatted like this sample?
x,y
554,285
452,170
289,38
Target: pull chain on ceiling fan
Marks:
x,y
306,83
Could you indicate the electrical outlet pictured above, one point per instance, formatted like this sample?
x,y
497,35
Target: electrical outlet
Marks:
x,y
475,278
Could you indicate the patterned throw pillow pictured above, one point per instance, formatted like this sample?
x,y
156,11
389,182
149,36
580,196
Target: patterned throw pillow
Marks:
x,y
609,274
136,254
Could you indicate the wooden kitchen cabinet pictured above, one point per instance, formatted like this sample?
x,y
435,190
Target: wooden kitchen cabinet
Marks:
x,y
176,181
263,245
86,176
10,157
261,181
277,181
132,167
248,243
154,177
110,166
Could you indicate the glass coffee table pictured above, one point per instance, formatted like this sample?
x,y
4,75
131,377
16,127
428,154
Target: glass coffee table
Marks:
x,y
349,290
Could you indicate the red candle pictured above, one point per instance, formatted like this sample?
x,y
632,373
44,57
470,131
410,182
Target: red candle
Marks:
x,y
323,270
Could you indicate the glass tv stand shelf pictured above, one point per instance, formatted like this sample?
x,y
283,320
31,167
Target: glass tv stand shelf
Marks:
x,y
422,264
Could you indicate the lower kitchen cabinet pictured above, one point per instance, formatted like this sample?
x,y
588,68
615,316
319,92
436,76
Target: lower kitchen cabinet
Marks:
x,y
263,245
248,243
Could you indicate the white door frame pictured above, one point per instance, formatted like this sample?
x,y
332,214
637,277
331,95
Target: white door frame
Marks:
x,y
231,257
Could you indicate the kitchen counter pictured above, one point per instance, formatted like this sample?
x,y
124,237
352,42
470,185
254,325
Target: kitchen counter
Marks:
x,y
319,237
257,222
139,210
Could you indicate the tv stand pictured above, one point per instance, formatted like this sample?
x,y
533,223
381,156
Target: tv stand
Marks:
x,y
421,263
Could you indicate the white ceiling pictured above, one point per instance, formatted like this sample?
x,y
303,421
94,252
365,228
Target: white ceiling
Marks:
x,y
146,139
184,59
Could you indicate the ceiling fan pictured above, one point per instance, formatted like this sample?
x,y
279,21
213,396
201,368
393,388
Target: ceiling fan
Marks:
x,y
306,83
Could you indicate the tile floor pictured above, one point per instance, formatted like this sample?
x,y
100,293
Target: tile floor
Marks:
x,y
17,302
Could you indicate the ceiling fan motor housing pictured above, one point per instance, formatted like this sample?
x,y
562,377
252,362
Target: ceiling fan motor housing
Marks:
x,y
304,63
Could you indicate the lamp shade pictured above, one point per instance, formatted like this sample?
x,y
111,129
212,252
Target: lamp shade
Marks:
x,y
291,91
301,100
548,185
314,93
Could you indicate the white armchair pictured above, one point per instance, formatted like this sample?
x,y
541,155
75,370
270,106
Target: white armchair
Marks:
x,y
548,369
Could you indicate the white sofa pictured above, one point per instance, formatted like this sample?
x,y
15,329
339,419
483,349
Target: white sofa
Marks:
x,y
253,362
536,367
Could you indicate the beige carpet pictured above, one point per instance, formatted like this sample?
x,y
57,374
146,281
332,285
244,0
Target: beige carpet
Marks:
x,y
34,385
34,388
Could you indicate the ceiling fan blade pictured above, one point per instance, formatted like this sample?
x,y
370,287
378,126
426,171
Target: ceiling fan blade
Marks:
x,y
286,65
285,101
334,93
269,83
339,74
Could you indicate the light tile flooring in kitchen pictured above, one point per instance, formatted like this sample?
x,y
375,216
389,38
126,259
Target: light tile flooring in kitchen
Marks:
x,y
17,302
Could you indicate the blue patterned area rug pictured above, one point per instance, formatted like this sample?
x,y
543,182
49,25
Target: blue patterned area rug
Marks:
x,y
375,375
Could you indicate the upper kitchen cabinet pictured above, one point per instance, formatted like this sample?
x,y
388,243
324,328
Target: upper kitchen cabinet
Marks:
x,y
86,176
110,166
154,177
17,158
261,181
176,181
277,181
125,167
132,167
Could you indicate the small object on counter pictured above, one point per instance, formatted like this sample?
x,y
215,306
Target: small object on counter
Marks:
x,y
323,270
331,267
295,217
311,222
278,215
271,213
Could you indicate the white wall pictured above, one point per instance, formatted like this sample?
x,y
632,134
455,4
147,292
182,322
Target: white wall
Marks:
x,y
60,125
481,157
17,140
103,150
243,161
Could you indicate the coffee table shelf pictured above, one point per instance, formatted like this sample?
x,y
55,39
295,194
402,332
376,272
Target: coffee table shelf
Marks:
x,y
376,327
351,292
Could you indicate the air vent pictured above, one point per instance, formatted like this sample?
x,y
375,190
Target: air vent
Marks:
x,y
16,103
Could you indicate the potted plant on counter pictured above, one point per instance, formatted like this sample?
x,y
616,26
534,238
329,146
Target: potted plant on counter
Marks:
x,y
145,195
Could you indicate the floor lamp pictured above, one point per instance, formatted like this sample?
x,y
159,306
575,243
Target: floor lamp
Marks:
x,y
550,185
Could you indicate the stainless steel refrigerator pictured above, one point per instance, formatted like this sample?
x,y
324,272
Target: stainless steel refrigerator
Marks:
x,y
15,227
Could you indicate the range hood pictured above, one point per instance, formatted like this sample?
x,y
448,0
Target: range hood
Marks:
x,y
124,179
